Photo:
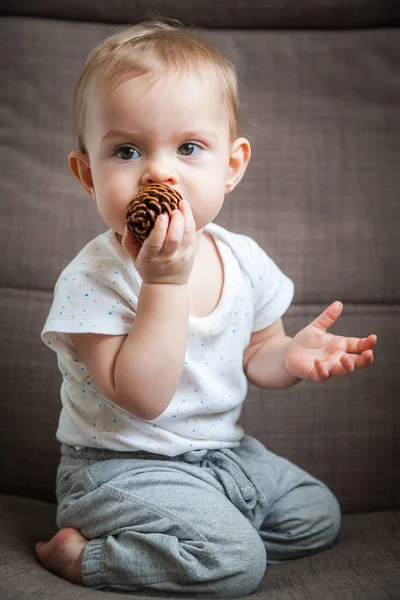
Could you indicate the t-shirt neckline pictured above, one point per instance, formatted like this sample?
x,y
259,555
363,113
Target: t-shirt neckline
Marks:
x,y
212,229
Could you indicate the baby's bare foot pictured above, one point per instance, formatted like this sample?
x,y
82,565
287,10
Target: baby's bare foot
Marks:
x,y
63,554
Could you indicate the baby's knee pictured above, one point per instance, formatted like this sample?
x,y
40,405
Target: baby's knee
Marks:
x,y
245,560
327,517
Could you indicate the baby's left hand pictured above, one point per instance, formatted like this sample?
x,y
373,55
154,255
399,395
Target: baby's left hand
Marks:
x,y
317,355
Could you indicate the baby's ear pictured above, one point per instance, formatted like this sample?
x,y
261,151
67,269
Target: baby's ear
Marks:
x,y
79,164
239,158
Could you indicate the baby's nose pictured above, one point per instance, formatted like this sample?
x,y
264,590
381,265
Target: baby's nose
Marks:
x,y
158,172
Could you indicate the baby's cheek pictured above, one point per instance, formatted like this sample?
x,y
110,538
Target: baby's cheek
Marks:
x,y
113,211
207,209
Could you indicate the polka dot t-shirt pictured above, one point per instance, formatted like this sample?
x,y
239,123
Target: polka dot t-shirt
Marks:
x,y
98,293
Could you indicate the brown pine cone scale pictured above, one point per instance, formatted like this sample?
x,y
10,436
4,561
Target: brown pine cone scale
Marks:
x,y
143,210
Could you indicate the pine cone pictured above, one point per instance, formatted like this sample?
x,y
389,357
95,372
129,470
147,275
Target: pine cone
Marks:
x,y
143,210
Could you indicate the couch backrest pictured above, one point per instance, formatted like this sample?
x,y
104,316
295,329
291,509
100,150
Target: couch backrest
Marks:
x,y
321,196
220,14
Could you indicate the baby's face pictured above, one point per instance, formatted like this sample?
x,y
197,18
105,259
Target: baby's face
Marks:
x,y
173,131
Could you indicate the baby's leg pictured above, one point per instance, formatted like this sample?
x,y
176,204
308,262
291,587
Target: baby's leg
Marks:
x,y
156,524
305,520
302,517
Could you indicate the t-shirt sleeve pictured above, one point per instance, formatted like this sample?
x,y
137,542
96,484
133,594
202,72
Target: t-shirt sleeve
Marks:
x,y
273,290
89,302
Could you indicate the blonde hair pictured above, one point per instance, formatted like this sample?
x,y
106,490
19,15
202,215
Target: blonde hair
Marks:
x,y
151,48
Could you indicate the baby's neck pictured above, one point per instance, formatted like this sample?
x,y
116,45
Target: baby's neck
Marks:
x,y
200,237
205,250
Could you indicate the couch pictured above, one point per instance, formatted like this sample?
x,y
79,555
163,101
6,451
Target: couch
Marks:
x,y
320,93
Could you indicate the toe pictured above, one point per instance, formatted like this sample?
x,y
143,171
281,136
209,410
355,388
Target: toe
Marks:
x,y
40,546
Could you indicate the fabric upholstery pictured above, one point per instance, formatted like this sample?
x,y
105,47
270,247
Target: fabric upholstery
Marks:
x,y
212,14
320,93
320,196
362,564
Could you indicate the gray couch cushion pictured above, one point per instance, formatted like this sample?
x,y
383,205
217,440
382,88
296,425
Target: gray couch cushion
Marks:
x,y
320,195
321,190
211,14
364,563
355,453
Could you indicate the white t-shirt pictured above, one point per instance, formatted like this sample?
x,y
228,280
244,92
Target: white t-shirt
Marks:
x,y
98,293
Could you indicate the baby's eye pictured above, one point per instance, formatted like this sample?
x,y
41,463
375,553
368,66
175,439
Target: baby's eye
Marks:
x,y
126,152
189,149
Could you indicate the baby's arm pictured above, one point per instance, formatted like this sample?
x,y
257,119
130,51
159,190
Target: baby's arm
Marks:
x,y
276,361
140,372
150,363
263,359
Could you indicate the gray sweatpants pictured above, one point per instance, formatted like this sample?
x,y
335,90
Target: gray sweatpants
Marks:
x,y
202,523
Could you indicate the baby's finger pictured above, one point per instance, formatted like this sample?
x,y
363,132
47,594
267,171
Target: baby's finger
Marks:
x,y
366,358
175,232
190,225
340,368
328,316
359,345
320,371
347,364
130,244
154,243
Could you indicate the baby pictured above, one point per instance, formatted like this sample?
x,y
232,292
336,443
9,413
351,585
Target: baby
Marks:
x,y
158,486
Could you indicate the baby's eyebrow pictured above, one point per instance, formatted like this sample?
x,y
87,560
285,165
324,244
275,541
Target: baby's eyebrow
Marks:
x,y
197,133
115,133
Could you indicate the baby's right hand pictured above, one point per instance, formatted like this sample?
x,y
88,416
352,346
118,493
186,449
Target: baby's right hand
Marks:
x,y
168,254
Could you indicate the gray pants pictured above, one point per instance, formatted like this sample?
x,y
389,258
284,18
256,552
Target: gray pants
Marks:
x,y
202,523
